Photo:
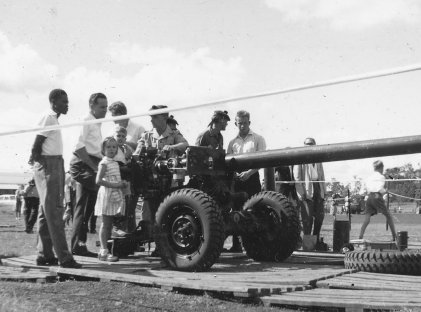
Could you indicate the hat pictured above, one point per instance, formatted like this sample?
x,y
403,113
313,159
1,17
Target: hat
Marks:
x,y
217,115
154,107
309,141
171,120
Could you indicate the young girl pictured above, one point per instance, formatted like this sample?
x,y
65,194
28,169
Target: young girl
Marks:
x,y
110,200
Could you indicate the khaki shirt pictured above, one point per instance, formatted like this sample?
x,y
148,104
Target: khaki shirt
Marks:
x,y
151,139
210,138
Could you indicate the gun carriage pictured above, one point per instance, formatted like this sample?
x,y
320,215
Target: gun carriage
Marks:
x,y
194,218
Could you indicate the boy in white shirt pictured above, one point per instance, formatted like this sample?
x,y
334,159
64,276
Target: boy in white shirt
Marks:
x,y
375,186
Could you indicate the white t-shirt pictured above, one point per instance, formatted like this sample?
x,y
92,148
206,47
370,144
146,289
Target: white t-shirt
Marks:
x,y
134,132
375,183
91,138
53,144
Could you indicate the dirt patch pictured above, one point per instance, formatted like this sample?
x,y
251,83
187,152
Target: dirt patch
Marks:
x,y
109,296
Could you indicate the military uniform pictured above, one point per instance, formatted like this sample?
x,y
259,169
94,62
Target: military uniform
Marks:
x,y
151,139
210,138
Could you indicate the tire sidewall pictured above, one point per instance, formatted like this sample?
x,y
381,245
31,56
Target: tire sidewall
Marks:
x,y
207,246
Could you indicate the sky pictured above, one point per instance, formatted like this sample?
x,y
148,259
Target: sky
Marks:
x,y
186,52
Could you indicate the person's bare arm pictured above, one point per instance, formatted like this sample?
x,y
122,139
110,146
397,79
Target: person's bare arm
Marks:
x,y
99,179
84,156
36,149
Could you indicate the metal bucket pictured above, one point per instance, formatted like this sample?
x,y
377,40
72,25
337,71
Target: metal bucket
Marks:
x,y
402,240
341,230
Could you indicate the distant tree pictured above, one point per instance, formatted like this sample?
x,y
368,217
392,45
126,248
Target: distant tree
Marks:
x,y
405,188
336,187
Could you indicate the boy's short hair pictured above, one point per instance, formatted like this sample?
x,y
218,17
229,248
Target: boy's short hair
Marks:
x,y
243,114
93,99
120,129
118,108
56,94
378,164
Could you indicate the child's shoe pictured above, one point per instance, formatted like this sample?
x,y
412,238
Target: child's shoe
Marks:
x,y
107,257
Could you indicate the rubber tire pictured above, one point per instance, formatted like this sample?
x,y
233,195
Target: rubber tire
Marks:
x,y
257,246
212,230
392,262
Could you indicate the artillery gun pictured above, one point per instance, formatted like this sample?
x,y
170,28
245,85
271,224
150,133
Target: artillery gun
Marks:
x,y
194,218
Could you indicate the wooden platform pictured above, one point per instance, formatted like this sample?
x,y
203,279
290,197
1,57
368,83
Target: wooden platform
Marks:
x,y
348,300
305,280
373,281
234,274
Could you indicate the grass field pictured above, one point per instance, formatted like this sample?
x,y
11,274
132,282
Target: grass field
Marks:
x,y
111,296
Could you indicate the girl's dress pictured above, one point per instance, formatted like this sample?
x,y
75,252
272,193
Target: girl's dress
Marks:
x,y
110,201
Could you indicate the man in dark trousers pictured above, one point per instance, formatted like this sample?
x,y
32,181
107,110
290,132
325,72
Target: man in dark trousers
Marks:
x,y
31,198
83,169
46,158
311,193
246,141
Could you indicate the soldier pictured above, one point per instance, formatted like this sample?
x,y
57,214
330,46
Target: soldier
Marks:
x,y
246,141
311,193
163,138
212,136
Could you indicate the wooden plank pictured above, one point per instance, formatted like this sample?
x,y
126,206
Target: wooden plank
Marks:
x,y
327,254
185,282
25,274
355,300
373,281
251,290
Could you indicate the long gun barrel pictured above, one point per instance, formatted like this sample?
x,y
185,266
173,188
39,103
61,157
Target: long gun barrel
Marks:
x,y
325,153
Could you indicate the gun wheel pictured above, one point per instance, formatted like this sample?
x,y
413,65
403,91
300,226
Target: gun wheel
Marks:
x,y
279,227
392,262
190,231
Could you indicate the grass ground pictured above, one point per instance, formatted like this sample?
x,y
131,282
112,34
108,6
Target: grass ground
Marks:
x,y
111,296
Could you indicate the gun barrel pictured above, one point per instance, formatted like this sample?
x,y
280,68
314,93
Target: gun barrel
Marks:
x,y
325,153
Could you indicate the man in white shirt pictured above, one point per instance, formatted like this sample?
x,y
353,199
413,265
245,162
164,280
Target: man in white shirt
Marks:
x,y
311,193
375,187
46,158
247,141
83,169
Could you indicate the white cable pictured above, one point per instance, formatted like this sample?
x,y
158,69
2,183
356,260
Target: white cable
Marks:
x,y
336,81
404,196
337,181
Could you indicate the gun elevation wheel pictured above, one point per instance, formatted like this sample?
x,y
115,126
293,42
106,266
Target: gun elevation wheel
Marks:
x,y
190,230
278,227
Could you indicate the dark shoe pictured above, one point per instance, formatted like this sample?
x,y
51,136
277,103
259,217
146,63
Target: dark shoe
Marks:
x,y
140,248
235,248
46,261
70,264
155,253
29,231
84,253
93,231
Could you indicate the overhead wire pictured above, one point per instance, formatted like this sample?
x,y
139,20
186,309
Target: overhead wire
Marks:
x,y
331,82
